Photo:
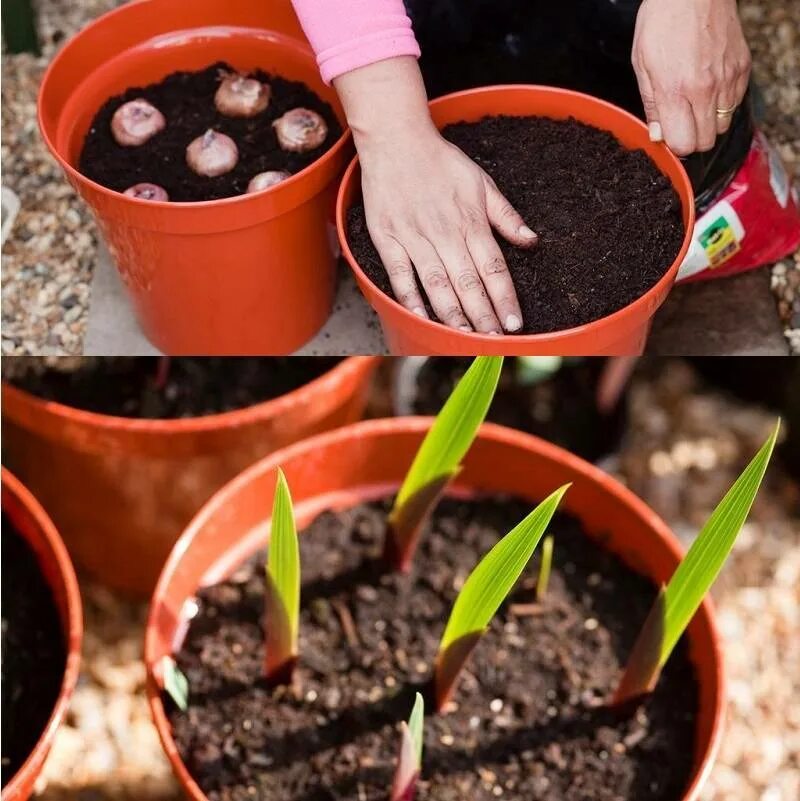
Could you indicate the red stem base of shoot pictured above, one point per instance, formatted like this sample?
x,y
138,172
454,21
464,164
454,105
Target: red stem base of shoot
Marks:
x,y
449,665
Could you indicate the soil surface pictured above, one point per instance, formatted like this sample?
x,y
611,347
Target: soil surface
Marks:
x,y
609,222
186,99
561,408
170,388
528,721
34,656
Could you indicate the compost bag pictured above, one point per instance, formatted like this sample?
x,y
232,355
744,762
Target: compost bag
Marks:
x,y
748,212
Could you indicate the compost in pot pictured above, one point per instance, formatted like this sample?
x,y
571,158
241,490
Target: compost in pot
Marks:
x,y
609,223
34,654
529,715
210,111
169,388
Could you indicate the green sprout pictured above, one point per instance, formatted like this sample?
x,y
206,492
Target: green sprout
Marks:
x,y
483,592
176,685
676,603
544,568
282,597
438,459
409,763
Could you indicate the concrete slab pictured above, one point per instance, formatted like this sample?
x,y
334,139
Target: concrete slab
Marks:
x,y
734,316
112,329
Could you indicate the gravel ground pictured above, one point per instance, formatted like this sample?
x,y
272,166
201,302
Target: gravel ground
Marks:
x,y
683,450
48,260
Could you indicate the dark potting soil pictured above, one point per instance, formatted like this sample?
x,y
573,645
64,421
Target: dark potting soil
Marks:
x,y
527,718
186,99
170,388
561,408
609,222
34,655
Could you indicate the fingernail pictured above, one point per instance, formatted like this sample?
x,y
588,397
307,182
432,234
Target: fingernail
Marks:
x,y
494,333
656,135
513,323
419,311
527,232
464,328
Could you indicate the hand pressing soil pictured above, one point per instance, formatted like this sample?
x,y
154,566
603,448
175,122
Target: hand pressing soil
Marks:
x,y
609,222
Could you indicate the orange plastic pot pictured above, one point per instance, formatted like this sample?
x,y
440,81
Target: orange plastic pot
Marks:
x,y
121,490
33,524
368,460
245,275
622,333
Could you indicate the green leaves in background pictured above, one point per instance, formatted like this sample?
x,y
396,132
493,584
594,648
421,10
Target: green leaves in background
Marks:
x,y
439,457
676,604
176,685
485,589
283,588
409,763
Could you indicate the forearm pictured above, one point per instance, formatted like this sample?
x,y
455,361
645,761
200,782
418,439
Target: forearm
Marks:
x,y
349,34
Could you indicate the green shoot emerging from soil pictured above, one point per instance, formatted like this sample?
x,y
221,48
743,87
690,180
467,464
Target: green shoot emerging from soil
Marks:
x,y
176,685
439,457
483,592
409,763
545,567
676,603
283,588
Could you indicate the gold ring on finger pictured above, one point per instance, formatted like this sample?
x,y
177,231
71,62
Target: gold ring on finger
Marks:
x,y
725,112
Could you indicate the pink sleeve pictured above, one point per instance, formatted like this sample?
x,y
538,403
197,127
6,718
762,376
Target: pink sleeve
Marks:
x,y
347,34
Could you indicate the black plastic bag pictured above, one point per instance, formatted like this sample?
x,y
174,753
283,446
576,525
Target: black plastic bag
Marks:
x,y
576,44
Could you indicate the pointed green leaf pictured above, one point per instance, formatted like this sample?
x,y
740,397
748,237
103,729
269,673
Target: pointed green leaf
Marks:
x,y
176,685
283,587
439,457
409,763
676,605
485,589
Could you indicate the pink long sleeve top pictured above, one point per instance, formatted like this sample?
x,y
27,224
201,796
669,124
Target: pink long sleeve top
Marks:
x,y
347,34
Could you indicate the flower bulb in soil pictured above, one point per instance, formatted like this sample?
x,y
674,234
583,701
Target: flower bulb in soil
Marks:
x,y
147,191
212,154
264,180
300,130
239,96
136,122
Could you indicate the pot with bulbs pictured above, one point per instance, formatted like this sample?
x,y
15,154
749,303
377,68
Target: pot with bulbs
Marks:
x,y
209,150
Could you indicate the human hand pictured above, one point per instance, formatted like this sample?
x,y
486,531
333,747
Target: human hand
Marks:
x,y
430,209
692,62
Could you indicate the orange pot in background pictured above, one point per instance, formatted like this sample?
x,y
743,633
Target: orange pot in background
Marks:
x,y
245,275
622,333
121,490
368,461
36,528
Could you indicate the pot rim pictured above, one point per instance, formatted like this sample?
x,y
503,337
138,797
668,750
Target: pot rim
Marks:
x,y
284,187
273,407
420,425
72,627
551,337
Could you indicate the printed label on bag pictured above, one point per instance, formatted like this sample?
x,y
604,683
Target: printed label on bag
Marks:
x,y
718,236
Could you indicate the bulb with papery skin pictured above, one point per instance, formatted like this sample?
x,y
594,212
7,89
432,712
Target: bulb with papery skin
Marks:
x,y
135,122
147,191
300,130
240,96
212,154
264,180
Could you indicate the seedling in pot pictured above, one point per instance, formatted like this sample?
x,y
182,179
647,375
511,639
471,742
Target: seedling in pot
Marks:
x,y
438,459
484,591
409,762
544,568
677,603
282,600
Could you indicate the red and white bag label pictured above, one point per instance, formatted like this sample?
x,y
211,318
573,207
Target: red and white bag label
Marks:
x,y
755,221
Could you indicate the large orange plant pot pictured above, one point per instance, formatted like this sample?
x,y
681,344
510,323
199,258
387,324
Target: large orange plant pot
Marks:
x,y
121,490
622,333
369,460
244,275
33,524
